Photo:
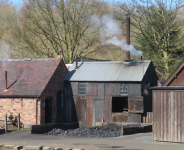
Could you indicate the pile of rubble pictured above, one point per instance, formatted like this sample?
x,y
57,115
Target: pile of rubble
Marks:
x,y
97,131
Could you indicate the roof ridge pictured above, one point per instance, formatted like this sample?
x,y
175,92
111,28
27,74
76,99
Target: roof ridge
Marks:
x,y
29,59
111,61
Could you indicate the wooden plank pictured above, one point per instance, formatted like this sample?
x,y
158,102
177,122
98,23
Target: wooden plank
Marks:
x,y
182,116
89,106
169,116
135,104
91,89
178,115
154,115
158,116
120,117
166,107
165,116
108,108
162,117
98,110
172,117
175,116
143,119
101,91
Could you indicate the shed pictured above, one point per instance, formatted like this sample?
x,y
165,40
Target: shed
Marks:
x,y
115,91
168,113
34,88
168,108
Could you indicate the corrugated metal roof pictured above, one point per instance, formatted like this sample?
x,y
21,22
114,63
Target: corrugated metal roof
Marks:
x,y
108,71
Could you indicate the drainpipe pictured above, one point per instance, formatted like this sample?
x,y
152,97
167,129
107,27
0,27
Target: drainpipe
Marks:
x,y
36,109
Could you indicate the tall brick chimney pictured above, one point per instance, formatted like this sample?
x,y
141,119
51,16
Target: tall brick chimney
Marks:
x,y
127,37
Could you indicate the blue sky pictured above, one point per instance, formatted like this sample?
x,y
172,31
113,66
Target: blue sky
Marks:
x,y
19,2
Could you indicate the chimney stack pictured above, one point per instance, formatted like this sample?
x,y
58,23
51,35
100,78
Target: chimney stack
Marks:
x,y
5,80
76,62
59,54
128,36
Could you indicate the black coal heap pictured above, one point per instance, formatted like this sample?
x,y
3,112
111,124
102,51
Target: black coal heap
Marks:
x,y
96,131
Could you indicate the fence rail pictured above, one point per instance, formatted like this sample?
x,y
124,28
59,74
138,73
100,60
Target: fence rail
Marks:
x,y
6,122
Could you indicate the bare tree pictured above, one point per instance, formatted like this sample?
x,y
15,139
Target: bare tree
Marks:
x,y
46,26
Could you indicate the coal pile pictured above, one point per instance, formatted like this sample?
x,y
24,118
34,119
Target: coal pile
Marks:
x,y
97,131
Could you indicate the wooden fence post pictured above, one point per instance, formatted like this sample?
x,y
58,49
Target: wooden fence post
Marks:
x,y
5,126
19,121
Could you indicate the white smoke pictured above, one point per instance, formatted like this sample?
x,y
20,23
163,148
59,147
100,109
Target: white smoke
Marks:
x,y
5,52
110,31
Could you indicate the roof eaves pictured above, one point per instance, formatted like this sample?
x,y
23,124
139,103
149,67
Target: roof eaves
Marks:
x,y
19,96
170,78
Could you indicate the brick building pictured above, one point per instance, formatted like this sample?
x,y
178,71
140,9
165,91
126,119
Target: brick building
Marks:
x,y
34,88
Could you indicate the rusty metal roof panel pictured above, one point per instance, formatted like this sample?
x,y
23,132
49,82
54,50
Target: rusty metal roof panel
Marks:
x,y
108,71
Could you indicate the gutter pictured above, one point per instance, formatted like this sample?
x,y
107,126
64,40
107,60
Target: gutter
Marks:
x,y
167,88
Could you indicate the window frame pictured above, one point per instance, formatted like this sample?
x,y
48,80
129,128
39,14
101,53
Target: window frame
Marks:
x,y
123,89
82,86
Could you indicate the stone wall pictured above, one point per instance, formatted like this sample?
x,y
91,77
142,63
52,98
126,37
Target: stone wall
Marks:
x,y
25,106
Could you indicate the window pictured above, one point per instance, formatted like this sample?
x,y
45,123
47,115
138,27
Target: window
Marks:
x,y
123,89
82,88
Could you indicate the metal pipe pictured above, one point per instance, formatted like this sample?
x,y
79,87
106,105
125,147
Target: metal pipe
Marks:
x,y
128,30
5,80
18,121
128,35
76,63
36,110
5,123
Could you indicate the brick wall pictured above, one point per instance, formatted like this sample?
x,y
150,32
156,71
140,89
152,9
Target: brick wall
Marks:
x,y
25,106
55,84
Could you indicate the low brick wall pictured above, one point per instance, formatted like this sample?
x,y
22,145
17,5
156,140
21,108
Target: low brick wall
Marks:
x,y
44,128
2,131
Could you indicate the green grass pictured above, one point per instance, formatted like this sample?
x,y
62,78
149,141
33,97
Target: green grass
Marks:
x,y
15,128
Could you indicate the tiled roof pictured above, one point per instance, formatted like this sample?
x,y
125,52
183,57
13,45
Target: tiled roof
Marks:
x,y
26,77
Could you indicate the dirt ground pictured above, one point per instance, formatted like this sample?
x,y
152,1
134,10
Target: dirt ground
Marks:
x,y
141,141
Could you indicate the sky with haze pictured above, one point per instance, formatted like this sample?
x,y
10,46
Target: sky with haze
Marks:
x,y
19,2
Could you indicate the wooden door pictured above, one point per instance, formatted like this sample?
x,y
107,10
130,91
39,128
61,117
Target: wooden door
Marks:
x,y
98,110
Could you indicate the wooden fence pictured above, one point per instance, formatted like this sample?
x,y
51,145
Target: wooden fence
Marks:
x,y
7,123
148,118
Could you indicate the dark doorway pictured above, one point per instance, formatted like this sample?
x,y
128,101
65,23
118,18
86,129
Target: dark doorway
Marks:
x,y
48,106
119,104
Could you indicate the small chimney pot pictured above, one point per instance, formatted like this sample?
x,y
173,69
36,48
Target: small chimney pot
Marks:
x,y
76,62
